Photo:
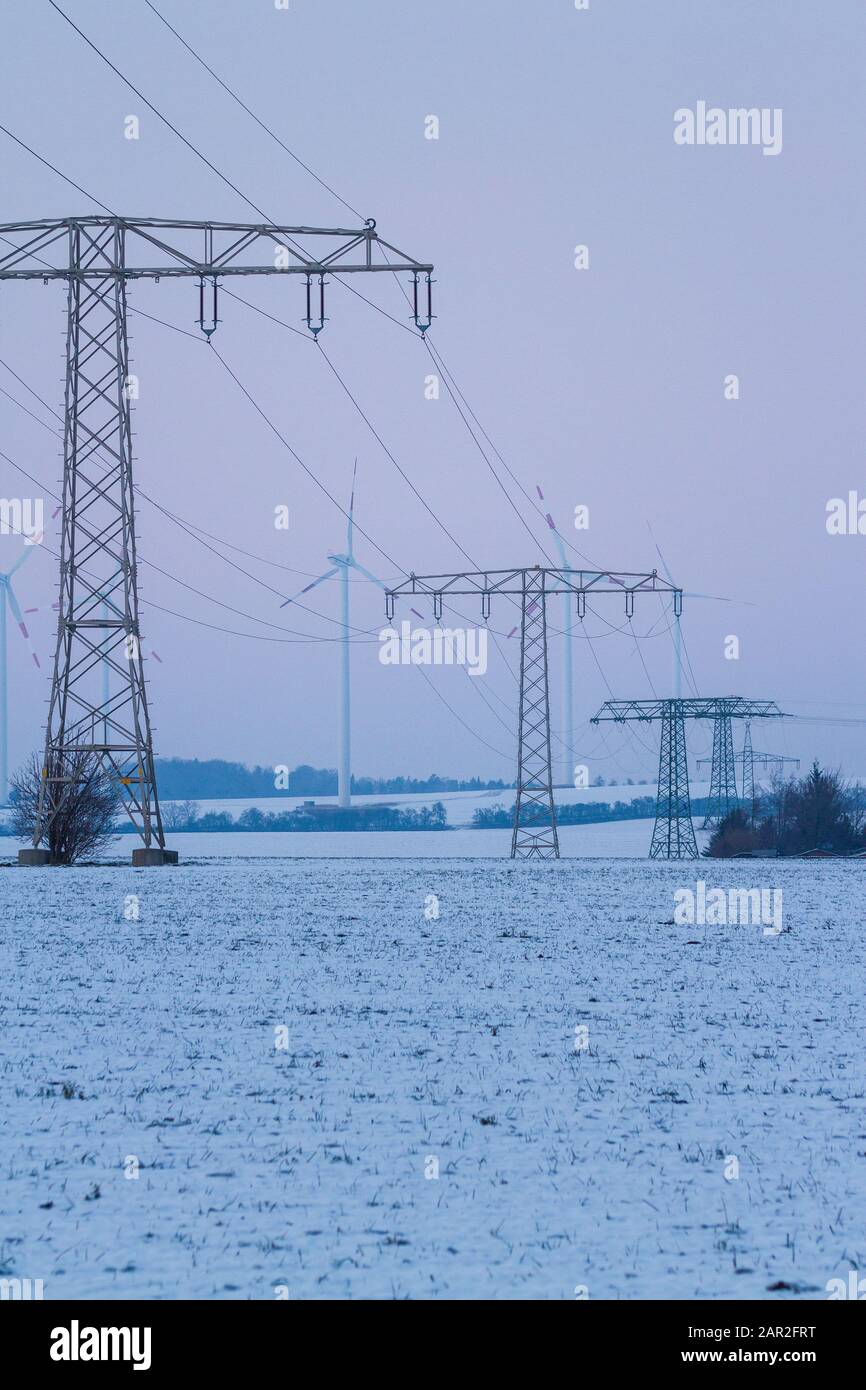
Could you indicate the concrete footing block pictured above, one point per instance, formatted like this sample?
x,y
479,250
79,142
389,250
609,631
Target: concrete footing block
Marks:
x,y
149,858
32,858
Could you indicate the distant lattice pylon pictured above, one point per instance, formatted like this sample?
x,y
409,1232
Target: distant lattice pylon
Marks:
x,y
534,832
673,833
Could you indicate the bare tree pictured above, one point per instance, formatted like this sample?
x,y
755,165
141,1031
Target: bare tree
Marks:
x,y
179,815
84,822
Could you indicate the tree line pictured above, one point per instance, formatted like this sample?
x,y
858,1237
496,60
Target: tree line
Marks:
x,y
820,811
179,779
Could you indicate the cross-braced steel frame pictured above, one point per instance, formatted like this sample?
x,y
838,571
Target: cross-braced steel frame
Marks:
x,y
748,772
673,832
98,619
531,837
723,777
534,833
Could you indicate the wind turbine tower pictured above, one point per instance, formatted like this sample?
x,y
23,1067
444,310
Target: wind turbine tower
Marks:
x,y
8,599
567,662
342,564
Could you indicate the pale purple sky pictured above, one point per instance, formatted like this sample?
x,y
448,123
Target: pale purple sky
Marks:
x,y
606,385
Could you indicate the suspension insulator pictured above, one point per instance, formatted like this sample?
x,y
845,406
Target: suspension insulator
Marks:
x,y
422,320
208,326
315,322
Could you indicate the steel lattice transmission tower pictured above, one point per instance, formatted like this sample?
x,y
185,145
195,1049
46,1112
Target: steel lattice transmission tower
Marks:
x,y
723,777
98,621
534,834
673,832
776,761
749,759
534,772
748,771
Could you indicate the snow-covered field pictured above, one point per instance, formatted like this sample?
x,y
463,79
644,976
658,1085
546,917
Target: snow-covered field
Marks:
x,y
628,839
306,1162
624,839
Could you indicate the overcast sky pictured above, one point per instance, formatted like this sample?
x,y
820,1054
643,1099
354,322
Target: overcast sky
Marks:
x,y
604,385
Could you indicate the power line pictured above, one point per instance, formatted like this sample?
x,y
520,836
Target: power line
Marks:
x,y
53,167
187,526
168,575
402,473
495,475
286,445
264,313
449,378
253,636
508,756
252,114
33,416
268,130
294,245
149,104
439,361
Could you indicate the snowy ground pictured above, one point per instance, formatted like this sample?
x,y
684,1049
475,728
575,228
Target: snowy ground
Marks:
x,y
409,1040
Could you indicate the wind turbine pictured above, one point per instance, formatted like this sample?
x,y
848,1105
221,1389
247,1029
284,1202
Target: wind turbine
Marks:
x,y
341,564
7,597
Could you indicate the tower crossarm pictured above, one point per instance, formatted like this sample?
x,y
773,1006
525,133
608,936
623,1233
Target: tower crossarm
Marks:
x,y
759,760
486,584
157,247
699,707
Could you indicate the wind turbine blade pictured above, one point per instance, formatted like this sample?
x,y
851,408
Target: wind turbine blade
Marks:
x,y
547,517
45,608
307,587
367,575
16,613
25,555
351,525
